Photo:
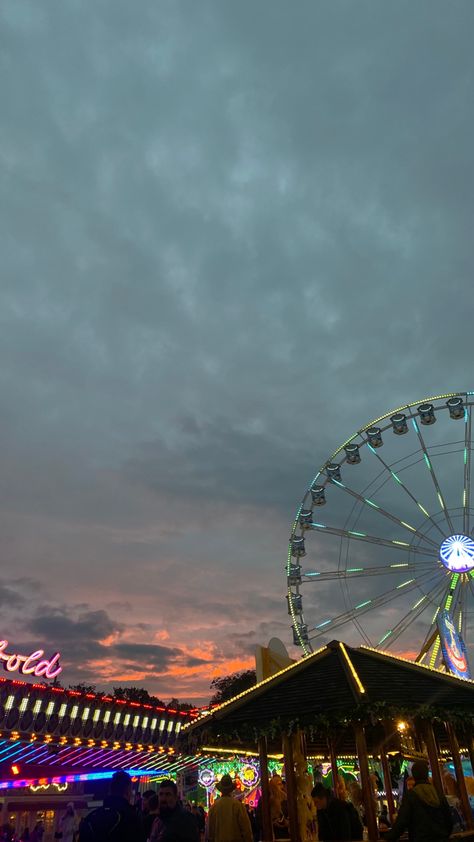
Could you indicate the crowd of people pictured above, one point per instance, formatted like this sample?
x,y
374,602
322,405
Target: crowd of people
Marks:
x,y
424,814
160,816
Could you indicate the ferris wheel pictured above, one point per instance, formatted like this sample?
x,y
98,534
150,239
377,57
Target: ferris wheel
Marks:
x,y
381,546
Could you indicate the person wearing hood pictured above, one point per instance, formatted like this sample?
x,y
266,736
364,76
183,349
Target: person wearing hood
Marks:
x,y
425,814
228,819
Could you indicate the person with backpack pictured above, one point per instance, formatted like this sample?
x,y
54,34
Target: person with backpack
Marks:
x,y
425,814
116,820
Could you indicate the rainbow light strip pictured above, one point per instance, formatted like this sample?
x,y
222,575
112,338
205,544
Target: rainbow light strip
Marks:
x,y
69,779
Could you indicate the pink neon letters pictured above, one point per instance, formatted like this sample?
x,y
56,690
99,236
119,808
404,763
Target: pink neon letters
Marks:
x,y
27,664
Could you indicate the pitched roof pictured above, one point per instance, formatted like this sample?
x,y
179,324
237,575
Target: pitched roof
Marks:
x,y
332,681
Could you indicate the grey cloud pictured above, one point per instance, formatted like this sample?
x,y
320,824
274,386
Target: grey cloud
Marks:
x,y
89,625
220,461
233,233
8,597
148,656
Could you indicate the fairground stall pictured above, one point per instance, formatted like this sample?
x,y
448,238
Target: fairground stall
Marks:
x,y
59,746
356,709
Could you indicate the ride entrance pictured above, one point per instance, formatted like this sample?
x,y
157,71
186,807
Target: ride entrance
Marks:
x,y
382,545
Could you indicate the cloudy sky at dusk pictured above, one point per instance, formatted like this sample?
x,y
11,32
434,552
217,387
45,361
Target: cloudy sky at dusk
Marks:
x,y
232,233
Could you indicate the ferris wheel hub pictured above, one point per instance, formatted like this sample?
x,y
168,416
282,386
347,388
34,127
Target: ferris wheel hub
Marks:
x,y
457,553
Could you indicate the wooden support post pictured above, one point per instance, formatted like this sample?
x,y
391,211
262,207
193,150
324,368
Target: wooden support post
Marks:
x,y
291,789
454,746
387,779
367,791
332,755
470,748
266,815
432,750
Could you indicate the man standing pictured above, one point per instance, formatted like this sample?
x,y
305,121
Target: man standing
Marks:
x,y
424,813
173,823
149,812
333,817
117,820
228,820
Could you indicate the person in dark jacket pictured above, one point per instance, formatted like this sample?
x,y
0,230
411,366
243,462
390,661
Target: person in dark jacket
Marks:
x,y
174,824
119,799
149,810
116,820
424,813
333,818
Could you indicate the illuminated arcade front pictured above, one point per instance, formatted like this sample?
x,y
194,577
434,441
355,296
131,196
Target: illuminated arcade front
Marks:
x,y
59,745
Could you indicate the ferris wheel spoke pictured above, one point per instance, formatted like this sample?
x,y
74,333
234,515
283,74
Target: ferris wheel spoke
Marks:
x,y
432,636
373,505
434,478
467,469
369,604
405,488
417,608
357,572
403,546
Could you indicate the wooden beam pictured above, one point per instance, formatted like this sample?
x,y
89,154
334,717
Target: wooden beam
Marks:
x,y
470,748
290,781
266,815
432,749
367,790
387,779
454,746
333,757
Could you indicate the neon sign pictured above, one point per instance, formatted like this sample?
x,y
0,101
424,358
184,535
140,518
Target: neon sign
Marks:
x,y
58,787
457,553
30,664
453,647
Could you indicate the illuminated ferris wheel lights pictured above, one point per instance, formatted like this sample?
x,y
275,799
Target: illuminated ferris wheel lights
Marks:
x,y
457,553
295,603
300,633
443,574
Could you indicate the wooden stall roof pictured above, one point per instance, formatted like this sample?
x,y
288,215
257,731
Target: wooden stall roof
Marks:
x,y
334,681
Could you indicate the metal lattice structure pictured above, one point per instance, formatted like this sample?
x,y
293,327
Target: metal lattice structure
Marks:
x,y
381,542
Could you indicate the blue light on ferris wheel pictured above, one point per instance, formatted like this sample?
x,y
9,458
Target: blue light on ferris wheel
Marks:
x,y
457,553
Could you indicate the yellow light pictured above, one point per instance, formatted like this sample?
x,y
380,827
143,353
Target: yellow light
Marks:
x,y
393,412
401,726
352,669
214,750
417,664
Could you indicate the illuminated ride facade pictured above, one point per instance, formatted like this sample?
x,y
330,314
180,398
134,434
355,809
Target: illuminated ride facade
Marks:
x,y
383,539
59,745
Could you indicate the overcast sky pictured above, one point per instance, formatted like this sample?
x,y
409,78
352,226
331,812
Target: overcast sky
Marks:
x,y
231,234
